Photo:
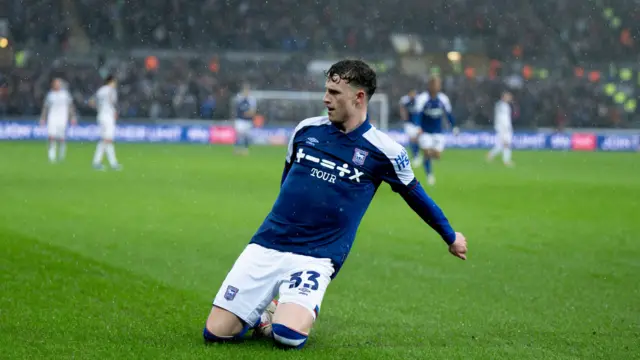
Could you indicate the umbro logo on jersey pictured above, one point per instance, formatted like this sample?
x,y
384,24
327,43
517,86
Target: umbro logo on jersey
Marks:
x,y
312,141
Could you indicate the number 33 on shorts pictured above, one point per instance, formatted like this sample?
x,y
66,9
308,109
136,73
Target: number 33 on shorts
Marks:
x,y
312,284
306,288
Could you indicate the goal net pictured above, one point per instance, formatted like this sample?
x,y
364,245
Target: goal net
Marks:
x,y
287,108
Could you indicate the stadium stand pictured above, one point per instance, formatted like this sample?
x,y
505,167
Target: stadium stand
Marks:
x,y
554,35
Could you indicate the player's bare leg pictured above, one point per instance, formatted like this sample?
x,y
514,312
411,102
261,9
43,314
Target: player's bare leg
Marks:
x,y
223,324
52,150
506,155
62,149
426,156
97,157
497,149
418,158
430,156
111,154
291,325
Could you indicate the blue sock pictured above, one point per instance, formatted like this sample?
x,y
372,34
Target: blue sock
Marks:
x,y
427,166
288,338
209,337
414,149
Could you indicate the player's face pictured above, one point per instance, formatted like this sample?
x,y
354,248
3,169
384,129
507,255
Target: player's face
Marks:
x,y
412,93
434,85
56,84
341,100
507,97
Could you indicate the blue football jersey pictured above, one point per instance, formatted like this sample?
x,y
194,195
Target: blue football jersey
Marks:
x,y
243,105
409,104
329,180
433,109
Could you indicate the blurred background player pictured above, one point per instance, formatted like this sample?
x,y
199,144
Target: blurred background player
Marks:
x,y
245,110
410,116
105,100
504,129
57,110
433,105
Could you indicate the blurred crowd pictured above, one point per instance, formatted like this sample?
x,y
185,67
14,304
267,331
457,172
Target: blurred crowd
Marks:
x,y
528,28
189,89
557,30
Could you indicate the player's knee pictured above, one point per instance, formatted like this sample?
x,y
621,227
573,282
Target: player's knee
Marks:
x,y
288,338
222,325
212,334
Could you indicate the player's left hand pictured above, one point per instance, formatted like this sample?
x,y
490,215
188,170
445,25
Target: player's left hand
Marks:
x,y
459,247
456,130
74,122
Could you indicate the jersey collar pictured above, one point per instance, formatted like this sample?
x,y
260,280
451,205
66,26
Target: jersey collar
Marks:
x,y
356,133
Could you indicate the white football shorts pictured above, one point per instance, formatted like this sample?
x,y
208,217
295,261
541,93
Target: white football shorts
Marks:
x,y
504,137
432,142
260,274
56,128
242,126
412,130
107,127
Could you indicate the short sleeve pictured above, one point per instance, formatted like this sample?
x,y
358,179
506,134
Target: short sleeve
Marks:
x,y
398,172
446,103
395,168
314,121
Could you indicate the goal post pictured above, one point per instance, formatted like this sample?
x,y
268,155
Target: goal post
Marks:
x,y
290,107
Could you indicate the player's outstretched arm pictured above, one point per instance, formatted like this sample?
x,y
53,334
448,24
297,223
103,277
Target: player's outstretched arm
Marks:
x,y
400,176
431,213
449,111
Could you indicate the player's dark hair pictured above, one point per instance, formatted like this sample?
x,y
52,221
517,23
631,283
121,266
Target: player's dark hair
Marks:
x,y
109,79
356,73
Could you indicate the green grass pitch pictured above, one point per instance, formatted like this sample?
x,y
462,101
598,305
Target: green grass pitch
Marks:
x,y
124,265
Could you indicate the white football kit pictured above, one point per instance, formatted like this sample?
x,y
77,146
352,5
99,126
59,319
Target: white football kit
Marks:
x,y
106,100
58,103
502,123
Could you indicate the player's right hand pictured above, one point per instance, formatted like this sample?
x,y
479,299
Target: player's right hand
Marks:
x,y
459,247
42,122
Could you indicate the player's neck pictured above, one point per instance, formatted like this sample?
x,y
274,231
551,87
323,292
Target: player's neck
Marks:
x,y
353,123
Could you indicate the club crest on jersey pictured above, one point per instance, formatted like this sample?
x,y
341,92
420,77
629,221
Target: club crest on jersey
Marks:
x,y
359,156
231,293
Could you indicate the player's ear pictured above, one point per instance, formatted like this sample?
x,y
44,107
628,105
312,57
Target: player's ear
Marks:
x,y
361,96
